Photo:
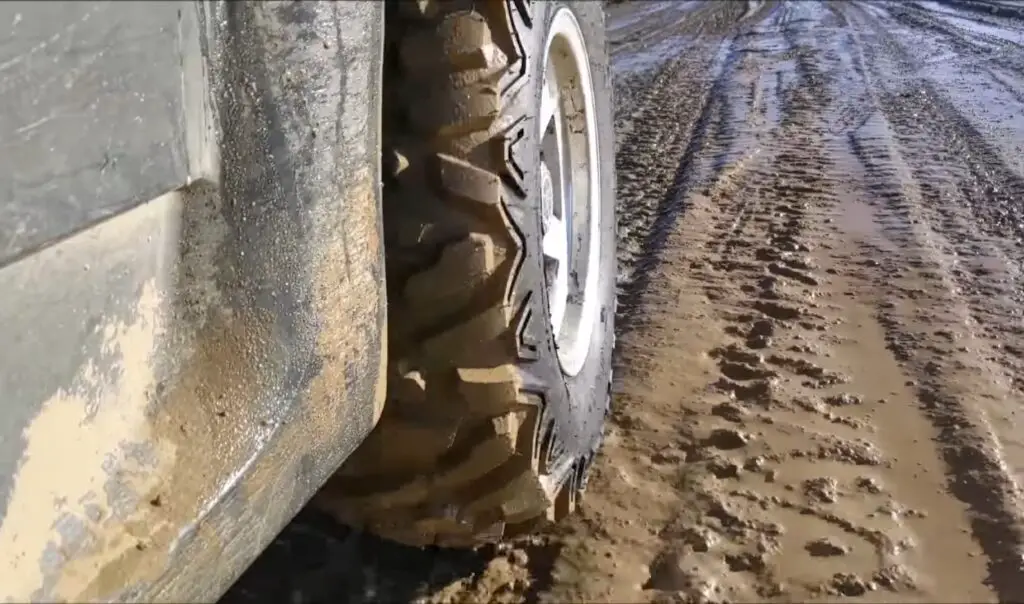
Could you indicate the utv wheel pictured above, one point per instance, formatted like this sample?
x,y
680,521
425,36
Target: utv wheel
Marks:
x,y
500,234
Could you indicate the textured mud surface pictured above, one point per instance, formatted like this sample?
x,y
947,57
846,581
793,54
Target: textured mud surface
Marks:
x,y
819,383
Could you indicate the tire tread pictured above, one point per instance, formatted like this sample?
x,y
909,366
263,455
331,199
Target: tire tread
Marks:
x,y
470,464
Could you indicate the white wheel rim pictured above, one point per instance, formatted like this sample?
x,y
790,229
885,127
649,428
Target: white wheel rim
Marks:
x,y
570,191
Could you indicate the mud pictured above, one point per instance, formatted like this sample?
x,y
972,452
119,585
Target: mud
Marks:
x,y
819,381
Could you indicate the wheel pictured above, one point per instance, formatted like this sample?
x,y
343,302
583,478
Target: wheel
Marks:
x,y
500,245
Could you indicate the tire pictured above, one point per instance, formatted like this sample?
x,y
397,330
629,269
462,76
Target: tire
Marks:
x,y
484,434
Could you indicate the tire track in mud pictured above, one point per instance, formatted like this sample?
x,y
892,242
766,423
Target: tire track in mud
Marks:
x,y
965,39
750,372
1016,90
652,51
785,384
670,22
937,355
778,471
988,221
805,353
660,129
944,321
991,8
658,138
653,220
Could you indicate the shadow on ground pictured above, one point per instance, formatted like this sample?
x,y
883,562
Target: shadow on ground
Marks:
x,y
316,561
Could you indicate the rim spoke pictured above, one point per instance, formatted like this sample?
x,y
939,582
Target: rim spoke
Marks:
x,y
556,253
557,313
554,244
564,196
549,106
558,165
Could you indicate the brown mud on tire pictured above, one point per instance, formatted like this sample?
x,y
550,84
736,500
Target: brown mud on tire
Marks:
x,y
483,434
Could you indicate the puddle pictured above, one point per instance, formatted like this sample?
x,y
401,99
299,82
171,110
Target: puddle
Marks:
x,y
956,18
617,21
633,61
857,218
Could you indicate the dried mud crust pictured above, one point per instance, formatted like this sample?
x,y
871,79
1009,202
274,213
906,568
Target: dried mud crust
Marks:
x,y
469,448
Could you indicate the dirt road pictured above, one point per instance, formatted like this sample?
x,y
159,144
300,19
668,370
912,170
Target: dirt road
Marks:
x,y
820,380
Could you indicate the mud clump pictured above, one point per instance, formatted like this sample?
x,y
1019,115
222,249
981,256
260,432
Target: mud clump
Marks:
x,y
826,547
860,453
726,439
730,411
895,577
780,311
694,573
754,391
843,400
868,484
724,468
744,371
847,584
821,490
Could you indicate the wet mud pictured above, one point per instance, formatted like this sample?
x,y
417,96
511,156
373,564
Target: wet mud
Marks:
x,y
819,387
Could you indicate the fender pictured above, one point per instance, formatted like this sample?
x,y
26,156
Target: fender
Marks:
x,y
191,268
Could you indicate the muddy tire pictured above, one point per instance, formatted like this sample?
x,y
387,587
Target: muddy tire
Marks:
x,y
493,413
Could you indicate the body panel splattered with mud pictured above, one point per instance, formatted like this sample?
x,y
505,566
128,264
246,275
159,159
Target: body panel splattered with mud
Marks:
x,y
192,277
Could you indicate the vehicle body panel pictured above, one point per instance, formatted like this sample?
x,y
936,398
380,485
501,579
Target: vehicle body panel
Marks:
x,y
191,284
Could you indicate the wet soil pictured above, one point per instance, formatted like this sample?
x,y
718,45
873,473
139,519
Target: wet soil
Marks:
x,y
820,377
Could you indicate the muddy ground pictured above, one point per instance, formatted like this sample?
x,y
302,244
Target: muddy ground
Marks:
x,y
819,382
